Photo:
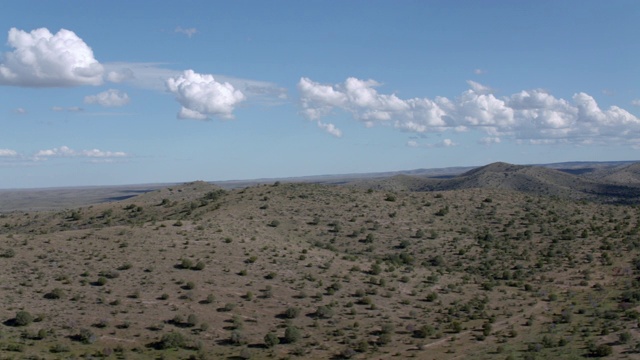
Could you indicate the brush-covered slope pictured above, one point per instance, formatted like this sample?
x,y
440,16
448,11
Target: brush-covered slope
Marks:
x,y
534,180
625,175
315,271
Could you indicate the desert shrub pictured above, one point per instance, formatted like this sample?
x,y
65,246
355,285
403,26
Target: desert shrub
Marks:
x,y
369,239
23,318
292,334
324,312
56,293
86,336
210,299
14,347
126,266
237,338
601,350
347,353
274,223
271,340
172,340
109,274
199,265
387,328
376,269
192,320
9,253
59,348
624,337
229,306
186,264
424,331
292,312
384,339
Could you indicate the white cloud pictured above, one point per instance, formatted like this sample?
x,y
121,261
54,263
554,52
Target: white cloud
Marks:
x,y
635,102
153,76
109,98
188,31
534,116
42,59
479,71
201,96
330,128
446,143
479,88
66,152
8,153
20,111
489,140
69,109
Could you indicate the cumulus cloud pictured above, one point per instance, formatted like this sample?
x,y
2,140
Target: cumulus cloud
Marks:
x,y
330,128
188,31
20,111
153,76
479,88
479,71
109,98
534,116
43,59
201,96
635,102
66,152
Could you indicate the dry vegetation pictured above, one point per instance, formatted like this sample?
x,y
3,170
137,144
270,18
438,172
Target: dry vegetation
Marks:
x,y
319,271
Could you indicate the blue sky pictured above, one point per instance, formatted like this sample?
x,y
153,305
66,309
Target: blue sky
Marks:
x,y
124,92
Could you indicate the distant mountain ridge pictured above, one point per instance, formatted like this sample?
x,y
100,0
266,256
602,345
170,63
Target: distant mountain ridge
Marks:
x,y
618,184
614,181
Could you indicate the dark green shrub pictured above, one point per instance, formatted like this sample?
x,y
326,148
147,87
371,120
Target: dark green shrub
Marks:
x,y
271,340
192,320
292,334
292,313
186,264
23,318
56,293
324,312
172,340
86,336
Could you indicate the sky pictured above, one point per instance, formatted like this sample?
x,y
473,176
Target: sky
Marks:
x,y
131,92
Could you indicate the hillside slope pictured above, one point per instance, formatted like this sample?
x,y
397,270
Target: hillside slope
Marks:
x,y
318,271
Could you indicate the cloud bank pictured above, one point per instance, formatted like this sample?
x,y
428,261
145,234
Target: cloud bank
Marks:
x,y
202,97
43,59
534,116
109,98
11,156
8,153
66,152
